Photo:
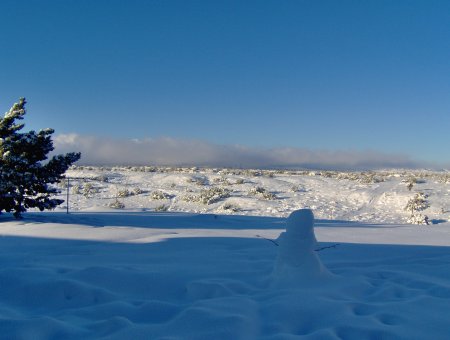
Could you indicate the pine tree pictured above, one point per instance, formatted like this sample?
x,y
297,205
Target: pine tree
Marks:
x,y
24,179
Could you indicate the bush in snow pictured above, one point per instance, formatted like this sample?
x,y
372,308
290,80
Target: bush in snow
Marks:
x,y
199,180
190,198
159,195
76,189
270,174
123,193
24,181
262,192
231,207
256,191
162,207
444,178
89,190
418,203
410,185
418,219
254,173
369,178
240,181
361,177
222,180
137,191
116,204
295,188
150,169
102,178
209,196
213,195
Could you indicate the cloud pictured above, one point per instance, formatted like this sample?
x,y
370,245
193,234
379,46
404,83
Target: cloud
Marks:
x,y
179,152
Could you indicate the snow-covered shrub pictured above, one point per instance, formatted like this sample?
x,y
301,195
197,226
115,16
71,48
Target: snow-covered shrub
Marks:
x,y
262,192
328,174
160,195
251,173
255,173
102,178
410,185
162,207
89,190
269,196
270,174
294,188
418,203
209,196
123,193
137,191
190,198
240,181
222,180
213,195
410,179
256,190
76,189
445,178
361,177
116,204
199,180
231,207
150,169
369,178
418,219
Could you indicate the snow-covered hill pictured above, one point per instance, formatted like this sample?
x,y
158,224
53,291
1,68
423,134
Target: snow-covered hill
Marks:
x,y
376,197
211,273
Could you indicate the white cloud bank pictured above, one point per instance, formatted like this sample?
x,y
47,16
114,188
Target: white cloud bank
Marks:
x,y
177,152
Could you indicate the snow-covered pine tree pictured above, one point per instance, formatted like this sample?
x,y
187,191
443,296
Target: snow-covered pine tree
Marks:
x,y
24,179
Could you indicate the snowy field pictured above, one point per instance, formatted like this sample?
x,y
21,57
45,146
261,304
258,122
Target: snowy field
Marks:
x,y
197,254
374,197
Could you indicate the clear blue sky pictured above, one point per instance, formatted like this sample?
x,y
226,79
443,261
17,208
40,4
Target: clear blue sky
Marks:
x,y
333,75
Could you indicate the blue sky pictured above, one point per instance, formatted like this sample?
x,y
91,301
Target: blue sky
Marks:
x,y
324,76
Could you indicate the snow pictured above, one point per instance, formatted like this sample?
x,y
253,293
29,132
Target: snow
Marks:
x,y
269,271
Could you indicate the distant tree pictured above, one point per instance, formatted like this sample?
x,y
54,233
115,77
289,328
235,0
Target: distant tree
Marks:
x,y
24,179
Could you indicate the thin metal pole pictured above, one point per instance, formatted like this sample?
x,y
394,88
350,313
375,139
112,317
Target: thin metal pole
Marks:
x,y
68,184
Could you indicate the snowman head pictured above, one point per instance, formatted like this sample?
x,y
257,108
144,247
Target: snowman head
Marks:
x,y
300,223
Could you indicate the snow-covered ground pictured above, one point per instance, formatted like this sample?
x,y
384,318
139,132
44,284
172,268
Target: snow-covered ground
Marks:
x,y
375,197
200,270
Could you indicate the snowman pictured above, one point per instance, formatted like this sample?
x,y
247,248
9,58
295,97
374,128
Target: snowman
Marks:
x,y
297,262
